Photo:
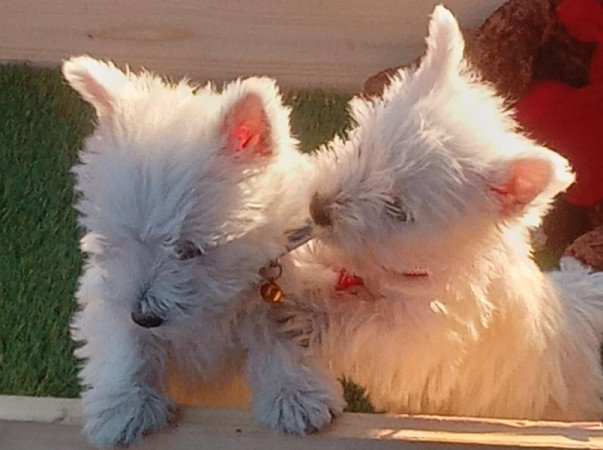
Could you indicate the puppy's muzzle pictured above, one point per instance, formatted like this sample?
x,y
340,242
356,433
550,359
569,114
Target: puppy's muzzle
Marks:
x,y
146,319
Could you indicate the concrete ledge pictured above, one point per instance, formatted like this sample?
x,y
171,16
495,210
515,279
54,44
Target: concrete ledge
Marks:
x,y
53,423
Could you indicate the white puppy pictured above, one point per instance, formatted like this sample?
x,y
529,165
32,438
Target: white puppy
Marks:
x,y
430,202
182,197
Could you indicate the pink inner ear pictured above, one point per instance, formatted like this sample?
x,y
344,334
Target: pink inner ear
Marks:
x,y
526,180
247,127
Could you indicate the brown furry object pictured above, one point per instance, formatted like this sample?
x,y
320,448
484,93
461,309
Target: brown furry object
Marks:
x,y
588,248
505,46
523,41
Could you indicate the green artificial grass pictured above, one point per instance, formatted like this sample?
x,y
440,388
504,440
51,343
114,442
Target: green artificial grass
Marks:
x,y
42,124
41,127
356,398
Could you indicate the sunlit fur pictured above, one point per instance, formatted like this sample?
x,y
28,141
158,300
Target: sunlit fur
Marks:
x,y
455,316
162,167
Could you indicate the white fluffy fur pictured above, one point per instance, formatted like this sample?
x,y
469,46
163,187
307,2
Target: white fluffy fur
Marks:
x,y
170,169
430,201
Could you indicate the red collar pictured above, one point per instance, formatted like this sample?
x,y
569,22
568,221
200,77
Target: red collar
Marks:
x,y
346,280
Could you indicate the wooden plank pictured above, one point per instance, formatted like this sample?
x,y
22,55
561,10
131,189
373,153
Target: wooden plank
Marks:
x,y
48,423
304,44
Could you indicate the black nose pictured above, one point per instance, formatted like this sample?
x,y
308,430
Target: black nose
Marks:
x,y
146,320
319,212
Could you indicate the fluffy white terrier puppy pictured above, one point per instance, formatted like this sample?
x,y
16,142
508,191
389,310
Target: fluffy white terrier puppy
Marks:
x,y
182,196
430,202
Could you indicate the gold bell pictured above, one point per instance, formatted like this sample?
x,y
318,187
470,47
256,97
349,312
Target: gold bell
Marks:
x,y
271,292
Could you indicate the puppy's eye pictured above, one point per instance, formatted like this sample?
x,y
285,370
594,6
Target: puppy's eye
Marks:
x,y
394,208
186,250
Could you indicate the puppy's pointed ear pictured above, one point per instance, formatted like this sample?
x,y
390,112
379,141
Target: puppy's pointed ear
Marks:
x,y
442,63
97,82
255,121
445,47
529,182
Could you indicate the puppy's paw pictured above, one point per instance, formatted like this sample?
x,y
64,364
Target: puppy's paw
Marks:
x,y
121,419
298,411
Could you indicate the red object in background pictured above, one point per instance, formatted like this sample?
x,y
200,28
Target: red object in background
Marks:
x,y
570,120
347,280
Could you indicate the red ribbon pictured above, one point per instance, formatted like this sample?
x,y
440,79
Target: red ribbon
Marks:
x,y
347,280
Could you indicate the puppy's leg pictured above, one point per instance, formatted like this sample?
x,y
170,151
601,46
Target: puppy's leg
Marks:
x,y
122,375
292,394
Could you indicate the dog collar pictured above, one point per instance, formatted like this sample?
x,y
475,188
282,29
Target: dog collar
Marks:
x,y
346,280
